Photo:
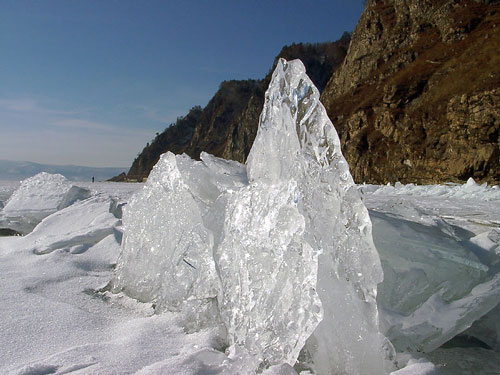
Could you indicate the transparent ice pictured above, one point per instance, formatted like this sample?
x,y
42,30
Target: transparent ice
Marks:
x,y
166,250
487,329
438,279
279,251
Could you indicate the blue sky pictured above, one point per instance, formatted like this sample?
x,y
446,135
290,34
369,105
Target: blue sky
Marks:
x,y
89,82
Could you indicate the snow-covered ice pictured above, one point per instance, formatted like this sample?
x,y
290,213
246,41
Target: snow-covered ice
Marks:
x,y
36,198
42,192
234,269
53,319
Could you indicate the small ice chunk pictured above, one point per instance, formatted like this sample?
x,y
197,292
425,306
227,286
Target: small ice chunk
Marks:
x,y
487,329
166,250
75,228
37,197
435,283
41,193
417,367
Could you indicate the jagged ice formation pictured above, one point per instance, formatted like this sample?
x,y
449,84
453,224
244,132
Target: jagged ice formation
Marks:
x,y
279,251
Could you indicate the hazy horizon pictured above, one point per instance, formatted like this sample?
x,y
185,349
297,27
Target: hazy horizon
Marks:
x,y
66,164
20,170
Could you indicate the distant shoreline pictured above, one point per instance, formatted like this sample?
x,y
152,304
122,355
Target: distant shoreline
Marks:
x,y
20,170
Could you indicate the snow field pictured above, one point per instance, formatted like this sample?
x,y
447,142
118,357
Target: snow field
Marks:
x,y
53,320
220,268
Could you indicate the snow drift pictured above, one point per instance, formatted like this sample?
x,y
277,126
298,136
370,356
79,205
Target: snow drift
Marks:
x,y
279,251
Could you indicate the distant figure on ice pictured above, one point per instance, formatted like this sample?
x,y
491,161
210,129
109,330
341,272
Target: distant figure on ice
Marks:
x,y
92,179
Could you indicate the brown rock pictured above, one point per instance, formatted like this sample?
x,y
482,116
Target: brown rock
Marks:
x,y
417,97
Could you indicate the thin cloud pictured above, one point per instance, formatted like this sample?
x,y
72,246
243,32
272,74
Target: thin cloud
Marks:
x,y
74,123
35,131
27,105
33,113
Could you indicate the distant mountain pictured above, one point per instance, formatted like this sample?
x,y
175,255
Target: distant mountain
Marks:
x,y
19,170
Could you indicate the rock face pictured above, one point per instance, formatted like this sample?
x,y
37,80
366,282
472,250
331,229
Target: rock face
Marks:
x,y
227,126
222,129
417,98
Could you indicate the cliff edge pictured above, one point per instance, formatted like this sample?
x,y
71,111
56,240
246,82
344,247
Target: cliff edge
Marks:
x,y
417,98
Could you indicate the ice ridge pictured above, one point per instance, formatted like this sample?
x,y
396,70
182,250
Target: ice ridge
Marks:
x,y
280,251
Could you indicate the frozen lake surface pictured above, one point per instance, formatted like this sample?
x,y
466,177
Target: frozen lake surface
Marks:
x,y
245,269
54,320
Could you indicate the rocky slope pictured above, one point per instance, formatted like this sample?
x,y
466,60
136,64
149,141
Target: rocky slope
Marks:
x,y
227,126
174,138
417,98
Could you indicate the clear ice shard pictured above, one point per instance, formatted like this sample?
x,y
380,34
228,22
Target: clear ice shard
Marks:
x,y
166,250
280,249
437,280
487,329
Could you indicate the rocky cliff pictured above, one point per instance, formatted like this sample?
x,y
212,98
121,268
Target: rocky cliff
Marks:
x,y
227,126
175,138
417,98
